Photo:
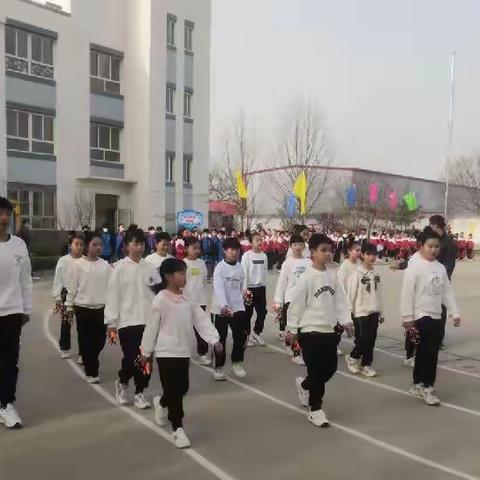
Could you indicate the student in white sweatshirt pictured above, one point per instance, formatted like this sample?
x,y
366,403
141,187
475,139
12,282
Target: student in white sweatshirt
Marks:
x,y
318,304
255,267
426,288
63,272
196,288
162,244
349,265
86,296
364,293
15,310
229,309
168,336
127,311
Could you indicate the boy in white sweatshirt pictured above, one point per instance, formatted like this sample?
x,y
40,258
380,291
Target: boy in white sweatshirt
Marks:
x,y
196,288
318,304
162,244
364,293
229,309
15,310
63,271
128,310
425,288
255,267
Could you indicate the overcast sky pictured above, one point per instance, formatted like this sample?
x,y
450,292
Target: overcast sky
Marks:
x,y
379,70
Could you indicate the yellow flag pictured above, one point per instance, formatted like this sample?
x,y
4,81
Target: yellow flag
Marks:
x,y
241,187
300,191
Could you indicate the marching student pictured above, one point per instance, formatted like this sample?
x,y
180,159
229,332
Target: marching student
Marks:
x,y
301,230
63,271
196,288
168,336
365,298
127,310
293,267
229,309
426,287
86,297
255,265
318,304
162,243
470,247
15,310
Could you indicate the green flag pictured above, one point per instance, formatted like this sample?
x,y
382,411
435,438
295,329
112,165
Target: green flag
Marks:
x,y
410,200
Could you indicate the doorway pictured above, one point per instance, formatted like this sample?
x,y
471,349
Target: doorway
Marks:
x,y
105,211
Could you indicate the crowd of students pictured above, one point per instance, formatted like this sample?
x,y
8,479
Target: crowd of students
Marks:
x,y
154,304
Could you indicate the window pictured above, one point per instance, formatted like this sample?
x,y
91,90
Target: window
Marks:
x,y
29,132
187,104
170,104
188,37
104,72
169,167
28,53
104,143
187,169
171,21
36,206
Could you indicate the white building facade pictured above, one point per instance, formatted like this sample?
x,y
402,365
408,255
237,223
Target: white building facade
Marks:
x,y
106,111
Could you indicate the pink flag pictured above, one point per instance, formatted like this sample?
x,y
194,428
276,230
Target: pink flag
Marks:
x,y
374,193
393,199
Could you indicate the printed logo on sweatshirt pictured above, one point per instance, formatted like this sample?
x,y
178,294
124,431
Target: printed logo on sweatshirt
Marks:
x,y
326,288
368,282
258,262
297,273
195,272
18,260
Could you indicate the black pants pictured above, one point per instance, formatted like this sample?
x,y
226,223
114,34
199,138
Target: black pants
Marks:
x,y
444,321
410,347
259,303
280,259
202,345
175,383
130,341
10,330
92,334
320,356
238,325
283,317
270,260
365,338
430,331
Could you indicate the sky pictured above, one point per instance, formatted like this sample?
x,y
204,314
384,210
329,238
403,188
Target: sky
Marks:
x,y
378,71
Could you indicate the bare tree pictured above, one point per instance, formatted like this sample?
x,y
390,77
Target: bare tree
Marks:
x,y
302,147
465,172
79,212
238,155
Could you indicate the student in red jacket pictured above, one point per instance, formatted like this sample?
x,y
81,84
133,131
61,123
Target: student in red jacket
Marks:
x,y
462,247
470,247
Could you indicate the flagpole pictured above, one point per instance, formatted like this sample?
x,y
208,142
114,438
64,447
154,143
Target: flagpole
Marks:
x,y
450,133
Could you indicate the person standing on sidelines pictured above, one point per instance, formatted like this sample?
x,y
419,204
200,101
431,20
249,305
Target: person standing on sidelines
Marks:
x,y
128,309
255,267
15,310
63,271
86,297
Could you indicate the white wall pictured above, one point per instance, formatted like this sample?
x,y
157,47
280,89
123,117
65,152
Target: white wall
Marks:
x,y
3,127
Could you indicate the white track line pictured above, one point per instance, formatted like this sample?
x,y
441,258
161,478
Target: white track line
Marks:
x,y
351,431
375,383
193,454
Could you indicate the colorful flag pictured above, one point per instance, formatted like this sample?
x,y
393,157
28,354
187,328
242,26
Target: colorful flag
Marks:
x,y
351,196
393,200
300,191
374,193
241,187
410,200
291,205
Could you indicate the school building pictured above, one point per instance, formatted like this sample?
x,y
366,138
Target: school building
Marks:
x,y
106,110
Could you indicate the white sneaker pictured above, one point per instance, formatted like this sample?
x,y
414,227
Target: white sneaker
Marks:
x,y
352,364
303,395
93,380
218,375
121,393
161,413
258,338
205,360
10,418
429,397
368,371
65,354
318,418
238,370
250,342
180,438
416,390
409,362
339,352
80,360
140,402
298,360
